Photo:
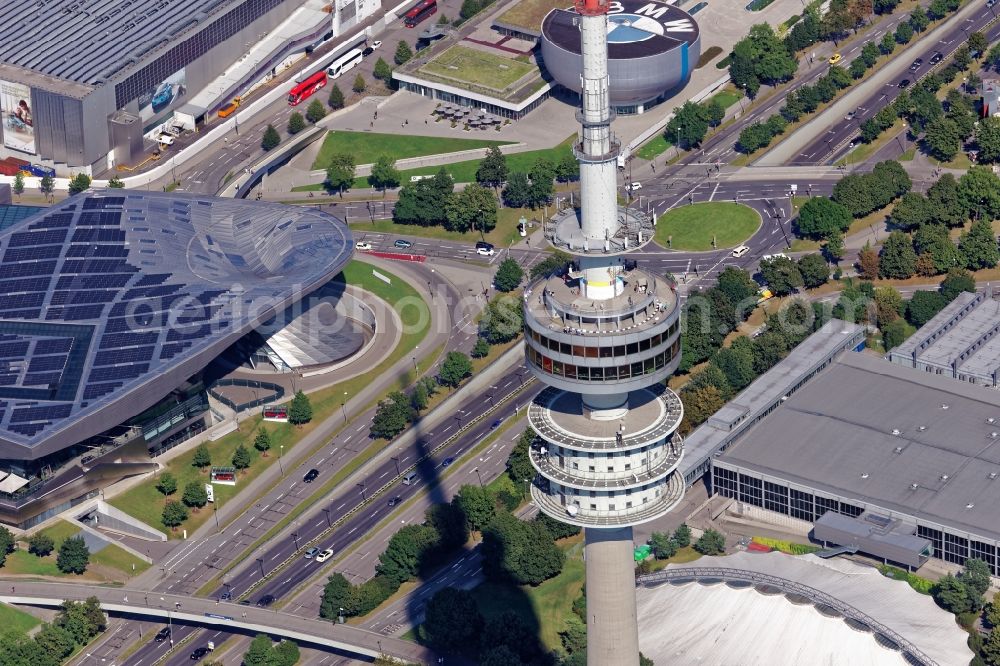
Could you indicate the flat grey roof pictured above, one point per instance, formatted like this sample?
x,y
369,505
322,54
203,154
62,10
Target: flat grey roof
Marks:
x,y
811,353
964,323
836,434
84,41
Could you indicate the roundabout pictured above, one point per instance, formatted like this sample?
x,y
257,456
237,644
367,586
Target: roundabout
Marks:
x,y
692,228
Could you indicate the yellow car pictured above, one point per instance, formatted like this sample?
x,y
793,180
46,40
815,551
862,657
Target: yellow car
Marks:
x,y
835,58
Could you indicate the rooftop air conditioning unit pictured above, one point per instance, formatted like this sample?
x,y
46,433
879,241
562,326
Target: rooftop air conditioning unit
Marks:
x,y
969,505
895,431
944,477
898,449
913,486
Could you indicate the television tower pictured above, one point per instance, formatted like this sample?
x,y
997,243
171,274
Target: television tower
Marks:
x,y
604,337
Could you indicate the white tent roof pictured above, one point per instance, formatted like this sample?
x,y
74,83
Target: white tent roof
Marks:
x,y
12,483
717,624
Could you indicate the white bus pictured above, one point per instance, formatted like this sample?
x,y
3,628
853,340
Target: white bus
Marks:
x,y
344,63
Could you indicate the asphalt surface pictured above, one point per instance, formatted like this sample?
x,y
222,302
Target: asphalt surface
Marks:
x,y
365,504
838,139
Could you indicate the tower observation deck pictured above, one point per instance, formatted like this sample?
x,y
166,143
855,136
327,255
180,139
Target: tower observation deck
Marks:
x,y
604,336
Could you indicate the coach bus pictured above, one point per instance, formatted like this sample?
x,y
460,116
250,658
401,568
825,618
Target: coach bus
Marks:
x,y
419,12
308,86
344,63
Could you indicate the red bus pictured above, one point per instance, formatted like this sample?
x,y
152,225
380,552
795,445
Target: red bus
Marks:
x,y
420,11
306,88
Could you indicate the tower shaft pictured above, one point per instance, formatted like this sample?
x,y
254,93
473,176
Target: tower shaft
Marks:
x,y
612,627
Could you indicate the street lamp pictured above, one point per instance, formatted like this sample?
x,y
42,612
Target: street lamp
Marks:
x,y
476,470
281,451
261,563
363,498
295,537
395,460
327,512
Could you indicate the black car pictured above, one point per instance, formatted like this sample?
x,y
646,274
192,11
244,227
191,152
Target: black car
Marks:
x,y
937,57
367,51
904,83
198,653
162,634
311,475
265,601
447,462
395,500
916,64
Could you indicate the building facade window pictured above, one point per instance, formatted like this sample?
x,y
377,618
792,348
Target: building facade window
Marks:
x,y
956,549
775,497
751,490
801,504
724,482
934,536
986,552
824,504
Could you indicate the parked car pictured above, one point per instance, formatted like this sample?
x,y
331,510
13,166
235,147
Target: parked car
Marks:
x,y
403,244
740,251
311,475
363,245
325,555
835,58
311,553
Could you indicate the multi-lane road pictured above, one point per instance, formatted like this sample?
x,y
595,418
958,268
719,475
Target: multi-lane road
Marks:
x,y
919,63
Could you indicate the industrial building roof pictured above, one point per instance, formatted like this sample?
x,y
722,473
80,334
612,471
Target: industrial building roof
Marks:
x,y
114,298
964,333
87,41
692,624
905,440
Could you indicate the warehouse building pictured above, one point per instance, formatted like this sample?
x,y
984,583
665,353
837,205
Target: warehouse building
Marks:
x,y
960,342
81,83
111,306
895,462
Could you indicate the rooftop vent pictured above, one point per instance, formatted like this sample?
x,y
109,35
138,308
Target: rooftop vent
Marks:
x,y
993,435
991,420
969,505
944,477
913,486
921,428
865,475
993,475
895,431
944,405
898,449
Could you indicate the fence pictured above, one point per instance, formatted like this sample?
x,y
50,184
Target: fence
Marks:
x,y
277,392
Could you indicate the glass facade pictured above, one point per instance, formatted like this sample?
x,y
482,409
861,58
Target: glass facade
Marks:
x,y
607,351
602,373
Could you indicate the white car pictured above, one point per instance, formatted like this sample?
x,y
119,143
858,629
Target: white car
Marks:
x,y
740,251
633,186
325,555
362,245
485,251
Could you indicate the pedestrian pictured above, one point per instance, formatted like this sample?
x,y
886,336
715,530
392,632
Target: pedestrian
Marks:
x,y
376,114
125,598
12,589
371,124
425,121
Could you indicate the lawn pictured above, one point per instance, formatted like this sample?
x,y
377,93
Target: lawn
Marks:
x,y
543,608
465,172
693,227
502,235
654,147
529,13
472,66
727,97
683,555
17,621
146,503
366,147
21,562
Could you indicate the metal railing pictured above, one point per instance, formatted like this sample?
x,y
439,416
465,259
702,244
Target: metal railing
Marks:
x,y
277,394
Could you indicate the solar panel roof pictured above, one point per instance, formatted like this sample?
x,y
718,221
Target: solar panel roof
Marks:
x,y
90,334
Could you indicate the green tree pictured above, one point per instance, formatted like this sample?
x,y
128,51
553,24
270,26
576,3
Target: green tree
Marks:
x,y
286,653
300,409
893,334
382,70
933,241
359,85
262,441
944,203
384,173
519,551
753,137
477,504
502,320
736,362
507,631
993,57
897,260
556,528
923,305
904,33
481,348
419,397
567,169
202,458
760,57
739,287
259,652
542,175
699,404
714,112
918,19
296,123
957,281
953,595
978,246
391,416
911,211
492,171
517,193
79,183
425,201
688,125
888,305
406,552
271,138
195,495
403,53
814,270
663,546
18,187
979,193
988,140
167,484
452,620
340,172
991,648
711,543
962,57
73,555
834,247
55,641
474,208
682,535
519,467
47,186
40,544
454,369
336,595
315,111
819,217
241,457
336,100
781,275
942,138
888,43
174,513
509,275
